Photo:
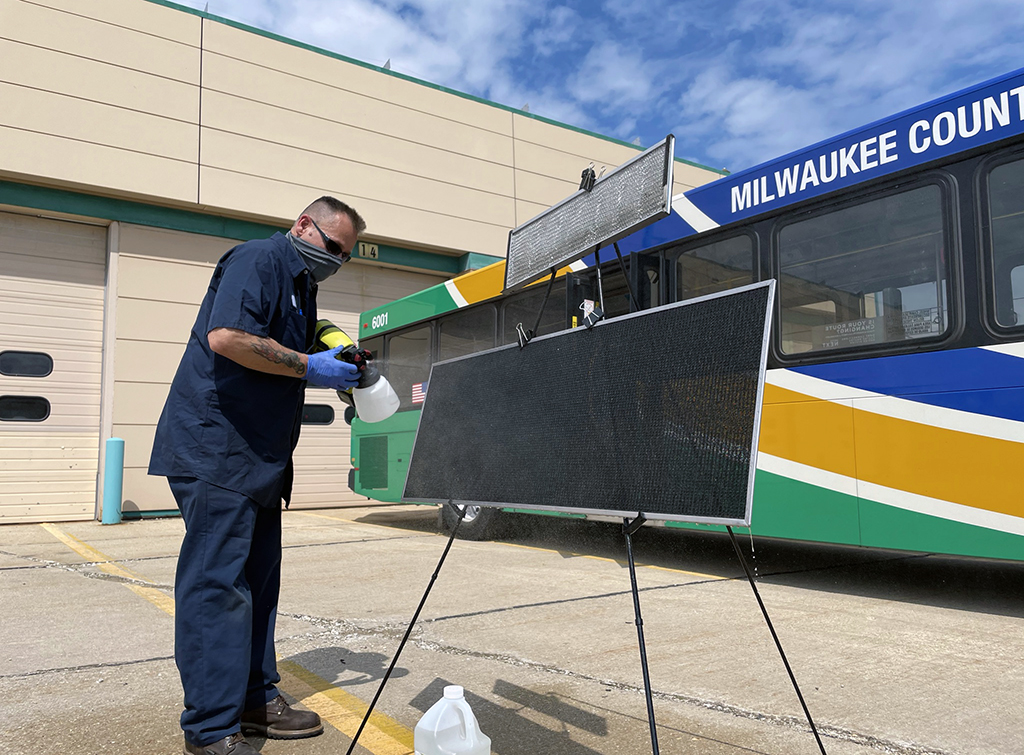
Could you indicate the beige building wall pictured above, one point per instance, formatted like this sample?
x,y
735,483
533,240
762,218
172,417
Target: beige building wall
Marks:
x,y
102,94
132,108
132,98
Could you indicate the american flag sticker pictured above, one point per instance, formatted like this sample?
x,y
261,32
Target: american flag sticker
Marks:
x,y
419,392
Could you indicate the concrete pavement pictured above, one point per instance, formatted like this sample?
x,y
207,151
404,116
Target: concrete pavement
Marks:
x,y
895,653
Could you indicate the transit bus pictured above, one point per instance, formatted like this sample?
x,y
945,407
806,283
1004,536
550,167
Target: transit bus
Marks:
x,y
893,412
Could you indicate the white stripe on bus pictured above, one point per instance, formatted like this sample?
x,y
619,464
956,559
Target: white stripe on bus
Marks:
x,y
900,499
1010,349
453,291
898,408
692,214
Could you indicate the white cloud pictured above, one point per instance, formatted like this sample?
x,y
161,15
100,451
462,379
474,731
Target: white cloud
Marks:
x,y
560,29
612,75
748,116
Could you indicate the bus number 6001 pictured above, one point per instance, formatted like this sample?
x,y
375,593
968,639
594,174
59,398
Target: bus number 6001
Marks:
x,y
379,321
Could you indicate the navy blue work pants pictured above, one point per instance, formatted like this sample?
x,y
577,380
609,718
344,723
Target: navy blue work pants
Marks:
x,y
225,596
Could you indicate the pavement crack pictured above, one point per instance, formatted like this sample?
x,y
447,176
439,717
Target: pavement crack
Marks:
x,y
691,583
84,569
87,667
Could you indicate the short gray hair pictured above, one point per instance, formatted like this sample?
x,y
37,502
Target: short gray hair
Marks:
x,y
326,206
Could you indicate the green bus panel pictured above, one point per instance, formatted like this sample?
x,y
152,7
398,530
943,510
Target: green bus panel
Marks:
x,y
885,526
380,455
795,510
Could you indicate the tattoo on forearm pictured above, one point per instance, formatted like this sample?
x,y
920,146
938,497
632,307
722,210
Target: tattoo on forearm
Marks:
x,y
279,355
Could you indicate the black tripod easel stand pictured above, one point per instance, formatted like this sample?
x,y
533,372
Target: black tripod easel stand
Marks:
x,y
415,616
778,643
628,528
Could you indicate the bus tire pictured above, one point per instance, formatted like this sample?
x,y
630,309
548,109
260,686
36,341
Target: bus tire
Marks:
x,y
479,522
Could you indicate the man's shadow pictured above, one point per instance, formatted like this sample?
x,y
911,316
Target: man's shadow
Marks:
x,y
342,667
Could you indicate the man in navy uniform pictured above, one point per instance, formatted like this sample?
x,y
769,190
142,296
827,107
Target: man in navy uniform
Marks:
x,y
225,441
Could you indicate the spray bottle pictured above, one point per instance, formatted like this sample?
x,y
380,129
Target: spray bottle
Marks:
x,y
374,398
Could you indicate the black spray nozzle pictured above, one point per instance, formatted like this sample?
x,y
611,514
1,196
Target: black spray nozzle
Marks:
x,y
362,359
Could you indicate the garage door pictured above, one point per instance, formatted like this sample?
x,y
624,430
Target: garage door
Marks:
x,y
51,345
323,458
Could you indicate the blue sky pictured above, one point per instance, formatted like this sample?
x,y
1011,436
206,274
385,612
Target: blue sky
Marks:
x,y
737,81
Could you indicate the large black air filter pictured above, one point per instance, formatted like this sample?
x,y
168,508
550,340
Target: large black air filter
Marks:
x,y
655,412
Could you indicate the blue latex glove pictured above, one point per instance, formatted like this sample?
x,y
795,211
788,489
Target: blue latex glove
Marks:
x,y
323,369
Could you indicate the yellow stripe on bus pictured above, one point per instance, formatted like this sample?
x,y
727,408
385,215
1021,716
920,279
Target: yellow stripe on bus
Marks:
x,y
481,284
894,453
972,470
807,430
488,282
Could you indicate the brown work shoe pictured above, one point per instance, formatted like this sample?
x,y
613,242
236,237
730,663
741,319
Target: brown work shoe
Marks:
x,y
278,720
233,744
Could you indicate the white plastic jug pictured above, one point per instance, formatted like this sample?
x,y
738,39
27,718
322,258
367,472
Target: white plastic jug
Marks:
x,y
450,728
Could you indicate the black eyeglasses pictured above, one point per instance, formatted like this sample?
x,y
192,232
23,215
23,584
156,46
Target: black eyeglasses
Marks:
x,y
331,245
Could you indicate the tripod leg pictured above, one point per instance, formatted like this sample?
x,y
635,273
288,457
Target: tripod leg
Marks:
x,y
778,643
401,645
629,528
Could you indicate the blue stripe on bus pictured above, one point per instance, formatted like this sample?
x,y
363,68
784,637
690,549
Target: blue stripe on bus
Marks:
x,y
970,380
1007,403
664,231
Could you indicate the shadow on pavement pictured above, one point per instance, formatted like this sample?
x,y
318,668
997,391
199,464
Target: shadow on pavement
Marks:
x,y
959,583
342,667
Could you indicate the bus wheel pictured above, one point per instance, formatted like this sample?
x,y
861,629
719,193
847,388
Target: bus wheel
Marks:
x,y
479,522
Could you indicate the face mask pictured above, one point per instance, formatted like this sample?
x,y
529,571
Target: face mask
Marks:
x,y
321,264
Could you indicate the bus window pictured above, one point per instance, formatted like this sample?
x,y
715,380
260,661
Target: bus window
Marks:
x,y
1006,255
645,278
467,332
374,345
715,267
616,292
408,363
524,308
1017,293
873,273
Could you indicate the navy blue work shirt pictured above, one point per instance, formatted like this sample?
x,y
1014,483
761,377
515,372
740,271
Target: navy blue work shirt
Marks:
x,y
226,424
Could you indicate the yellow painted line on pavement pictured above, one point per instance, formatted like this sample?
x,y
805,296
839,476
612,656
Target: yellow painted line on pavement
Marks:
x,y
344,711
105,564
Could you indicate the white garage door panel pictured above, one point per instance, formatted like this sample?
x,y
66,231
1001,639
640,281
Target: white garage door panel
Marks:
x,y
20,463
322,464
40,511
51,301
322,459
